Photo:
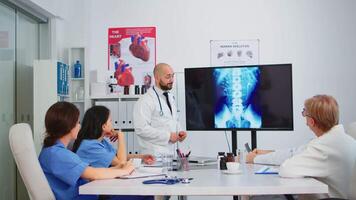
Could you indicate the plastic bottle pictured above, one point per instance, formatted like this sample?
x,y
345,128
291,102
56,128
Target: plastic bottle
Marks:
x,y
77,70
80,94
112,83
137,89
143,89
112,80
223,161
220,155
239,156
126,89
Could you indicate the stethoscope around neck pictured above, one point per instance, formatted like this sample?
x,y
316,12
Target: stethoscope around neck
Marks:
x,y
159,101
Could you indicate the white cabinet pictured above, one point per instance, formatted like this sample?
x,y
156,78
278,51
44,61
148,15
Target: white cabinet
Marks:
x,y
126,113
131,142
113,106
44,95
121,110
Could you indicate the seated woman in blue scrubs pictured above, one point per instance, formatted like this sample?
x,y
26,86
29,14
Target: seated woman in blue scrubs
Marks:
x,y
92,145
64,169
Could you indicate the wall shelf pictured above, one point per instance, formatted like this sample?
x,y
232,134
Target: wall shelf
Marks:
x,y
78,86
79,101
115,96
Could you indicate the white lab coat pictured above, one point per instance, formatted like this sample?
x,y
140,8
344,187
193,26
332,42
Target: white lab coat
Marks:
x,y
278,156
153,130
329,158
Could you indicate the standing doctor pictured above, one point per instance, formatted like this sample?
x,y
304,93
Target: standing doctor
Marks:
x,y
155,115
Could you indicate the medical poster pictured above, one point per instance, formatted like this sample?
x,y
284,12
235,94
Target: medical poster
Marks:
x,y
234,52
132,55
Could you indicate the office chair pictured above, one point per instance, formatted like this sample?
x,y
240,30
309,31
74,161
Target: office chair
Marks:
x,y
352,192
23,151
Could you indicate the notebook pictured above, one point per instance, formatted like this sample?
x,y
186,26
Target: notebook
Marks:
x,y
201,159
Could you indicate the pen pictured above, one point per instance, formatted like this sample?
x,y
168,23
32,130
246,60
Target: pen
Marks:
x,y
188,154
131,171
179,153
264,171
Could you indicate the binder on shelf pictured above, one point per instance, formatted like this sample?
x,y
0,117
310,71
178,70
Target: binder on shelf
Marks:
x,y
62,79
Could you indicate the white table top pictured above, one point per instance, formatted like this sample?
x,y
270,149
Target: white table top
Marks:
x,y
210,182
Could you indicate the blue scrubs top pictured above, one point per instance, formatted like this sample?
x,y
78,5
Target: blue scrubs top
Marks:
x,y
96,153
100,154
63,169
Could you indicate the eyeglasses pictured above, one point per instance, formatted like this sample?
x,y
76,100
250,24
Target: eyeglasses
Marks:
x,y
304,113
169,76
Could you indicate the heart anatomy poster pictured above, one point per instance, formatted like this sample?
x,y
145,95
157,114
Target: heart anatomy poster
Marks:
x,y
132,55
234,52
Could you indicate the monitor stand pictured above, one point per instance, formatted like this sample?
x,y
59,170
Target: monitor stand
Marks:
x,y
234,146
234,141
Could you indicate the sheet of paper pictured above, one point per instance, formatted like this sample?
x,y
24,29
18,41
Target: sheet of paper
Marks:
x,y
144,172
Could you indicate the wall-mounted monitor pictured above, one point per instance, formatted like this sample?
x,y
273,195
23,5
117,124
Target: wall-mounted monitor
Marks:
x,y
258,97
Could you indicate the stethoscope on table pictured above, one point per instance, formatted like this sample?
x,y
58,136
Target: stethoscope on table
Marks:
x,y
168,181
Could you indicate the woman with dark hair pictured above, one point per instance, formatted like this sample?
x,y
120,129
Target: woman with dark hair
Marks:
x,y
64,170
92,147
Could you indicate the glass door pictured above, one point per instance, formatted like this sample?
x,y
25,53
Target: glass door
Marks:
x,y
27,50
7,100
19,47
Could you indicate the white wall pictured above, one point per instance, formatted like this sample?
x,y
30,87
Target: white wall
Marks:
x,y
71,24
316,36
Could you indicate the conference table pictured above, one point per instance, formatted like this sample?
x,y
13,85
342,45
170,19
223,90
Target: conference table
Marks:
x,y
210,182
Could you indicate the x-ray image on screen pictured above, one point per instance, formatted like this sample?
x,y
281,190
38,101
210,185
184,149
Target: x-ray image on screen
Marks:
x,y
235,105
251,97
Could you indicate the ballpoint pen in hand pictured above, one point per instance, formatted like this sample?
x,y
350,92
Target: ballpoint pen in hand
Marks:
x,y
179,153
187,155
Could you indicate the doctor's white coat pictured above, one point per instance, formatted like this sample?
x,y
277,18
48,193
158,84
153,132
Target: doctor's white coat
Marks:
x,y
329,158
154,123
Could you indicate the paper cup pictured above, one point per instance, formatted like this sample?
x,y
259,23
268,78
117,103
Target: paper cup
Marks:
x,y
137,162
233,166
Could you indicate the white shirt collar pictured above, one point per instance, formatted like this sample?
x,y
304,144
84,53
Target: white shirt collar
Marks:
x,y
160,91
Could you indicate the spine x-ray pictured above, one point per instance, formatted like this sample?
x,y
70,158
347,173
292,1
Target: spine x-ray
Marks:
x,y
235,90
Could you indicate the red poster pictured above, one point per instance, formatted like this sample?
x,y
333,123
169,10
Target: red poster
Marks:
x,y
132,55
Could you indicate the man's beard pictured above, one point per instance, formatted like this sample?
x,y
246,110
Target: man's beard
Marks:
x,y
165,87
